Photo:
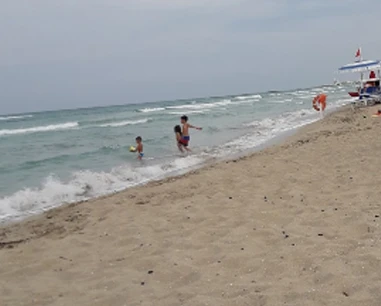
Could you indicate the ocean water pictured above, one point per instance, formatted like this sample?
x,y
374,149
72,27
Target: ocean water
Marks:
x,y
51,158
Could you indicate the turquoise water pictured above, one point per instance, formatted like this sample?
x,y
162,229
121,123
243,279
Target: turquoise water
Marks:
x,y
50,158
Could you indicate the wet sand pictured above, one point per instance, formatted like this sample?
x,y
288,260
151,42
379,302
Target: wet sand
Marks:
x,y
295,224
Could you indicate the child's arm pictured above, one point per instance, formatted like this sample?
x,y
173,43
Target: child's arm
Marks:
x,y
194,127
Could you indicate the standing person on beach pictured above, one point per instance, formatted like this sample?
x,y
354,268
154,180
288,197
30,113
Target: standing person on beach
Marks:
x,y
185,138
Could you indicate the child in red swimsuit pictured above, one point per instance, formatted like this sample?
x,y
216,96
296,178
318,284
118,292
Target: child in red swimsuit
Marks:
x,y
181,143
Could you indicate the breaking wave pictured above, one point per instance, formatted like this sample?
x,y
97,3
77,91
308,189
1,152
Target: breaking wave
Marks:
x,y
190,112
46,128
124,123
88,184
248,97
6,118
150,110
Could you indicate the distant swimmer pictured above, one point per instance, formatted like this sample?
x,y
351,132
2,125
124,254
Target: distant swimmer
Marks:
x,y
139,147
185,138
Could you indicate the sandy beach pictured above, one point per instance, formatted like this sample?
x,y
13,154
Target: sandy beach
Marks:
x,y
296,224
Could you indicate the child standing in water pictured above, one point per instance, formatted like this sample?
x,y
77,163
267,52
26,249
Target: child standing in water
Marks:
x,y
179,134
185,138
139,147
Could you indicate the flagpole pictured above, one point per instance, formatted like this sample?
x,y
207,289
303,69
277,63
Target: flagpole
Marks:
x,y
362,75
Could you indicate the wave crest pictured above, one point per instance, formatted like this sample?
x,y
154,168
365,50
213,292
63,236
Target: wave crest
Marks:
x,y
6,118
87,184
150,110
124,123
46,128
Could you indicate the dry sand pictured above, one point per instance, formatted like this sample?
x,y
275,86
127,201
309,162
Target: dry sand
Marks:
x,y
295,224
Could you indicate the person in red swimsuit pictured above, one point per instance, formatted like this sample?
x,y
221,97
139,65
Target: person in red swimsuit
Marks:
x,y
180,144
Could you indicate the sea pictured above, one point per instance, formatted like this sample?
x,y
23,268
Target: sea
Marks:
x,y
56,157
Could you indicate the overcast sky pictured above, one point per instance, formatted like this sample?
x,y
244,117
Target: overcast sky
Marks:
x,y
58,54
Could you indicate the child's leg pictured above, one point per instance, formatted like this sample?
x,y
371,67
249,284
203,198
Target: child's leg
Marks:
x,y
186,144
180,148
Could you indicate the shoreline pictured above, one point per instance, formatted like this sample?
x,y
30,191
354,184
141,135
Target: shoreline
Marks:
x,y
92,165
281,137
178,174
296,223
278,140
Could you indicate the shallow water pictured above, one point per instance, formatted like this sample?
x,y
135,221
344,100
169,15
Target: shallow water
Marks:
x,y
50,158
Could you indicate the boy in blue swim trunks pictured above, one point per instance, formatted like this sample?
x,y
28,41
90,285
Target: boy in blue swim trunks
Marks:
x,y
185,138
139,147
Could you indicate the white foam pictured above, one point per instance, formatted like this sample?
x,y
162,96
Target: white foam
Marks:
x,y
190,112
303,94
250,97
201,105
319,89
124,123
287,118
154,109
281,101
308,97
46,128
88,184
266,129
15,117
218,104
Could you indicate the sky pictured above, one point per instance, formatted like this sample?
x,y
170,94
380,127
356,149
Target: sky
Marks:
x,y
83,53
